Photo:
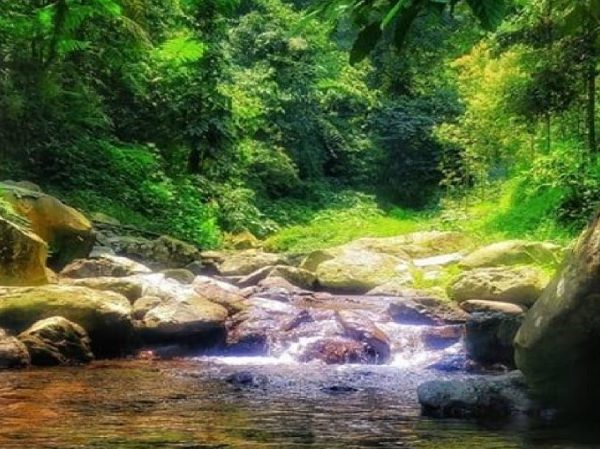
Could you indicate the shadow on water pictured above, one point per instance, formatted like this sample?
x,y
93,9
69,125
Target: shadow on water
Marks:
x,y
193,404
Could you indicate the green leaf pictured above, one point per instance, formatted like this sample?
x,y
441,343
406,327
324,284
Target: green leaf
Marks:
x,y
181,49
489,12
393,12
365,42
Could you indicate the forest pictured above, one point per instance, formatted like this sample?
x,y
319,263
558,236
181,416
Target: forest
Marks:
x,y
218,117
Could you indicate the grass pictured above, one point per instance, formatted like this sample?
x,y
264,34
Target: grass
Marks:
x,y
499,213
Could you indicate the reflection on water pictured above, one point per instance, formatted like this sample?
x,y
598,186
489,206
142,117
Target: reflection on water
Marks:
x,y
189,404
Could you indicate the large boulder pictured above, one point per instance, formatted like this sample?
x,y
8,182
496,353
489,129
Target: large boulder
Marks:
x,y
557,345
57,341
22,256
103,265
106,316
68,232
480,305
476,397
160,253
517,285
489,338
514,252
131,287
358,271
13,353
245,262
193,321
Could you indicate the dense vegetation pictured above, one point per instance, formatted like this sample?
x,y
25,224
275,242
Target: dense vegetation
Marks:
x,y
199,117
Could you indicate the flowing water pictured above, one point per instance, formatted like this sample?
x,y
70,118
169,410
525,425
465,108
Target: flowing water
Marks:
x,y
192,404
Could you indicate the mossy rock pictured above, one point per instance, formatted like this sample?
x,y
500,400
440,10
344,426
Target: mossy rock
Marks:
x,y
514,252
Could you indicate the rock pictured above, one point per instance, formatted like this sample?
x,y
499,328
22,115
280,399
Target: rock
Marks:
x,y
297,276
476,397
557,344
316,258
247,379
144,304
243,240
338,389
441,337
26,185
518,285
396,286
489,338
106,316
65,229
450,363
103,219
340,351
193,321
424,310
161,253
359,328
231,300
57,341
131,287
22,256
255,277
438,261
13,353
514,252
104,265
181,275
195,267
359,271
478,305
246,262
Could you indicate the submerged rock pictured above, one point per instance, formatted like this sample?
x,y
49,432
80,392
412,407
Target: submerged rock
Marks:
x,y
247,379
57,341
13,353
476,397
520,285
106,316
22,256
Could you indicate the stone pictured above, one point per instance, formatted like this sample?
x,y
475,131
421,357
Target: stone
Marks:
x,y
57,341
106,316
424,311
131,287
13,353
297,276
441,337
230,299
103,266
516,285
104,219
399,285
359,328
193,321
339,351
514,252
160,253
243,240
316,258
358,271
489,338
557,344
478,305
245,262
476,397
22,256
65,229
255,277
181,275
144,304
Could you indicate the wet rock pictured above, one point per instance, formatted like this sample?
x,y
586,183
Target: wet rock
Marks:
x,y
450,363
180,275
230,299
13,353
104,265
161,253
557,345
22,256
477,397
514,252
106,316
520,285
65,229
194,321
340,351
255,277
245,262
247,379
441,337
477,305
425,311
358,327
489,338
338,389
196,267
57,341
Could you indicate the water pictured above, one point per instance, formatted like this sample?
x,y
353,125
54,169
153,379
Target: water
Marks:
x,y
139,404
